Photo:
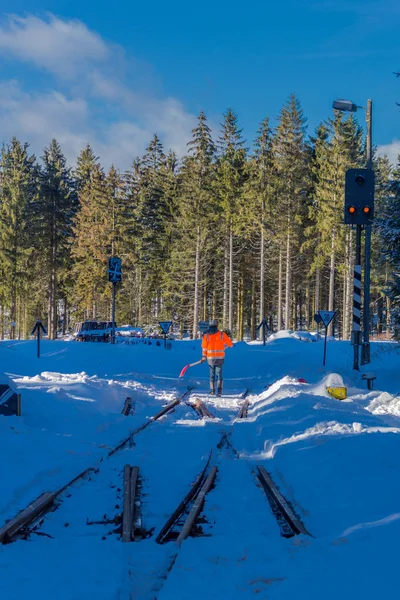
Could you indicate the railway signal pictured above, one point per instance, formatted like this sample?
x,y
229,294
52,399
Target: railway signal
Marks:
x,y
114,276
359,211
359,197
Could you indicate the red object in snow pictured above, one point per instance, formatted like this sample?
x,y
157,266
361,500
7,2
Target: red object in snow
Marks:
x,y
187,366
301,380
181,374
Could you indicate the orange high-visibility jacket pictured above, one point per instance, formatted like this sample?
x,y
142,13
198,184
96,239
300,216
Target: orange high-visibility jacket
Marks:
x,y
214,344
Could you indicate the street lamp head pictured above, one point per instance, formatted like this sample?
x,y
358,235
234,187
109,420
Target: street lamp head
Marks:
x,y
344,105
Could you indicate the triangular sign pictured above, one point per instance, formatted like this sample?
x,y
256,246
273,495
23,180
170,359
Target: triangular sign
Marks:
x,y
326,316
38,325
165,325
264,323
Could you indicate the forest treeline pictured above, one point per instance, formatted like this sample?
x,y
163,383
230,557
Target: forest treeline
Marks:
x,y
232,231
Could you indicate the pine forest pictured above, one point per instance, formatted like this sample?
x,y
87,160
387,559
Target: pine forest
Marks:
x,y
234,230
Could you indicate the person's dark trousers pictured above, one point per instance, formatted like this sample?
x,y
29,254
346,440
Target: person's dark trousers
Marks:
x,y
215,375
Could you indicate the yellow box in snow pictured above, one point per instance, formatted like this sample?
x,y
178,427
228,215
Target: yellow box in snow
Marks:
x,y
340,393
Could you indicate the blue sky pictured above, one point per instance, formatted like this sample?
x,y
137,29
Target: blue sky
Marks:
x,y
114,74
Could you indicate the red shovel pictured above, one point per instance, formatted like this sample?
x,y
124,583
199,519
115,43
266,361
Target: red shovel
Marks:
x,y
187,366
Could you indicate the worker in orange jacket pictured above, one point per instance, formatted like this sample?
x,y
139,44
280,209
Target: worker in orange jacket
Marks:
x,y
213,346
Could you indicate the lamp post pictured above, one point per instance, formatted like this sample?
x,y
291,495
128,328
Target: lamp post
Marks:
x,y
349,106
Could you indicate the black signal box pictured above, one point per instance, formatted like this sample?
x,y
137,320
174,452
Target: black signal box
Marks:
x,y
359,197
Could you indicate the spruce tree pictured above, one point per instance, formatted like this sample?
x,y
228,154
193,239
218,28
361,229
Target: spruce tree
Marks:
x,y
92,242
338,147
256,213
151,215
292,201
56,208
389,228
19,185
86,163
230,179
195,212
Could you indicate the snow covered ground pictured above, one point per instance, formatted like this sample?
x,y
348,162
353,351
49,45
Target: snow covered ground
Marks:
x,y
338,463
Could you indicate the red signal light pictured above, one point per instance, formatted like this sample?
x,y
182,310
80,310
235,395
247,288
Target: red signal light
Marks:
x,y
352,210
366,210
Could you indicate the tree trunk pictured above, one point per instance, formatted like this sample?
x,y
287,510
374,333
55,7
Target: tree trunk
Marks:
x,y
214,311
139,299
240,302
253,311
345,305
307,305
279,318
331,300
65,318
196,288
226,288
204,302
230,307
54,285
317,291
262,277
288,282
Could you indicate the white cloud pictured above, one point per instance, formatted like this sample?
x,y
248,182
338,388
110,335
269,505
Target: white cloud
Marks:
x,y
62,47
392,151
38,118
89,102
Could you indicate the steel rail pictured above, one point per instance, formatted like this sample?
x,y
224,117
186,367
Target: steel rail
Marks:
x,y
287,511
197,506
178,512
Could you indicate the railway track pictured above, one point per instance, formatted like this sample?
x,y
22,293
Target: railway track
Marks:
x,y
183,521
191,512
27,518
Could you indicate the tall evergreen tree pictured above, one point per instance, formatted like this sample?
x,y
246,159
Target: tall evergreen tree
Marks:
x,y
151,216
93,235
18,193
195,215
86,163
338,147
389,227
230,179
56,207
259,193
291,209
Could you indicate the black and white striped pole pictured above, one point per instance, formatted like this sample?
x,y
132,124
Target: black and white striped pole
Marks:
x,y
356,333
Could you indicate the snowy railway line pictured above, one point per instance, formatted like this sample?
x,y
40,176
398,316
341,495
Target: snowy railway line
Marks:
x,y
181,523
287,445
31,518
19,525
125,495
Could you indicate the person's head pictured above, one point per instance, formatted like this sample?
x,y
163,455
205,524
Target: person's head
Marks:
x,y
213,326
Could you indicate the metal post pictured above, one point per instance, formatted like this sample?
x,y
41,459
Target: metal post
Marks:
x,y
326,333
38,342
369,134
365,351
113,314
357,299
